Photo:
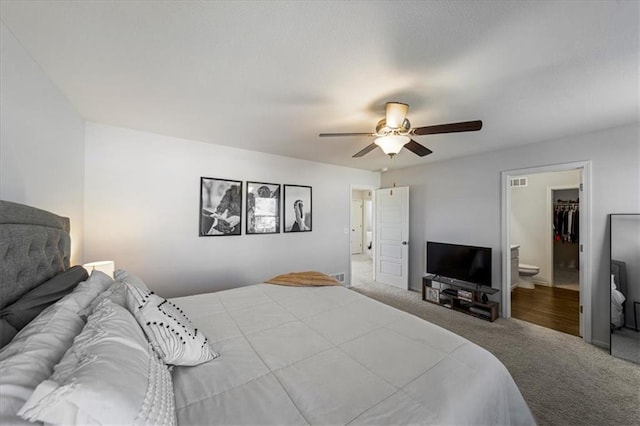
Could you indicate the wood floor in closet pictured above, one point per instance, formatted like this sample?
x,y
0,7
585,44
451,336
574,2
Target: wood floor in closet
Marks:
x,y
555,308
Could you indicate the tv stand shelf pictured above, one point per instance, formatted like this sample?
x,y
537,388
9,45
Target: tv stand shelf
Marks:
x,y
460,296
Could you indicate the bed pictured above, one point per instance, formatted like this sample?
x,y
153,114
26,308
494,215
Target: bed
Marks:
x,y
281,355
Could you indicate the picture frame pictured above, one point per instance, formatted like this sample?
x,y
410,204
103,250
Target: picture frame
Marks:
x,y
220,207
297,208
432,295
263,208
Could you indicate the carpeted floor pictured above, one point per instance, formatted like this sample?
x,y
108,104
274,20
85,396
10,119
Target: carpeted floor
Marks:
x,y
564,380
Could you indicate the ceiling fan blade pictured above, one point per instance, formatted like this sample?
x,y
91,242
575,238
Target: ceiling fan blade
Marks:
x,y
417,149
365,150
464,126
324,135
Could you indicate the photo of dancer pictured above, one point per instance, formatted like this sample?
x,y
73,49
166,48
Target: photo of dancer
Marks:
x,y
297,208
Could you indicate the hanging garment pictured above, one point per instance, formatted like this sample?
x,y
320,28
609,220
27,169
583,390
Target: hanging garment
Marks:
x,y
559,215
565,225
576,226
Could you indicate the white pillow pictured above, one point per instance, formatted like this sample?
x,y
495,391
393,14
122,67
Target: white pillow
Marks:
x,y
115,293
168,328
125,276
109,376
87,291
30,357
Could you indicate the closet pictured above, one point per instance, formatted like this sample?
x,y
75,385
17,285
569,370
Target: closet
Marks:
x,y
566,238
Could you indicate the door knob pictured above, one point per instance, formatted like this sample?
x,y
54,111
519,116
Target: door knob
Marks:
x,y
404,243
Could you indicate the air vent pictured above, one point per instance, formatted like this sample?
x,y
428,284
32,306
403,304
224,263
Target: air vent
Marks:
x,y
519,182
338,277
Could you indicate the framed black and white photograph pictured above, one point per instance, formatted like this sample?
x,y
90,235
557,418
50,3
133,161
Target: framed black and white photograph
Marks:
x,y
220,207
263,208
297,208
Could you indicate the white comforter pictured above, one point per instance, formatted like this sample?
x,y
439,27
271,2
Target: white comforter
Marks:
x,y
328,355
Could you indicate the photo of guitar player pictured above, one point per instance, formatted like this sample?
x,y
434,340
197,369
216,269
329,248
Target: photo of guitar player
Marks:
x,y
221,204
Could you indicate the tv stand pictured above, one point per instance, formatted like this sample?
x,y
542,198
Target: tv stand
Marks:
x,y
460,296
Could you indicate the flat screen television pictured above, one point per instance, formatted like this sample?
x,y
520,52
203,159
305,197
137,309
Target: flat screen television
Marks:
x,y
465,263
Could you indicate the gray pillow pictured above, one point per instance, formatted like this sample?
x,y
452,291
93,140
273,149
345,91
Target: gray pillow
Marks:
x,y
35,301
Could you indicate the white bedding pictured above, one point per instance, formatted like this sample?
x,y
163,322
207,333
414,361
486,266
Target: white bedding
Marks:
x,y
328,355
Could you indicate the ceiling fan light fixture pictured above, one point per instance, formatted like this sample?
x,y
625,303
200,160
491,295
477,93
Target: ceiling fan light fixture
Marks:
x,y
392,144
396,113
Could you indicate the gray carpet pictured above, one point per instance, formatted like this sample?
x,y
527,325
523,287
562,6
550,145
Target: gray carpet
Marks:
x,y
564,380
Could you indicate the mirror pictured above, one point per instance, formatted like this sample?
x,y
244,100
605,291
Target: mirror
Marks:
x,y
625,286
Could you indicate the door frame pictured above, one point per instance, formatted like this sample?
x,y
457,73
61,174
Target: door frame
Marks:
x,y
586,260
361,202
372,189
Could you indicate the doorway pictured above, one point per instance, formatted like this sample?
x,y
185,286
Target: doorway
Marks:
x,y
539,295
566,237
362,225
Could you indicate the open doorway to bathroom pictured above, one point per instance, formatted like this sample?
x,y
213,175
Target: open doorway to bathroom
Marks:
x,y
361,236
545,266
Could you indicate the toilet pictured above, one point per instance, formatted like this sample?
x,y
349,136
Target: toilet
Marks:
x,y
526,273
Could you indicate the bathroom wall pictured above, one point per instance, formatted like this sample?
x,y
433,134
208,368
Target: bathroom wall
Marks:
x,y
531,215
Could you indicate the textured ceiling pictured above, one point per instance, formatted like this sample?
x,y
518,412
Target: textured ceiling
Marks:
x,y
270,76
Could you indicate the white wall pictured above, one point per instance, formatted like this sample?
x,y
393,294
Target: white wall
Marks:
x,y
531,219
458,201
41,141
142,210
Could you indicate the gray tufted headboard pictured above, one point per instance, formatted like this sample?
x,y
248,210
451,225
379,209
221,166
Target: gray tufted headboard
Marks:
x,y
34,246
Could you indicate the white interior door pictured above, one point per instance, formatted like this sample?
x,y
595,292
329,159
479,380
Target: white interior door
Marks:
x,y
356,226
582,261
392,236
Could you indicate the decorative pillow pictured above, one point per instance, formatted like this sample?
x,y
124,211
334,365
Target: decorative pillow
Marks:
x,y
30,357
33,302
168,328
303,279
109,376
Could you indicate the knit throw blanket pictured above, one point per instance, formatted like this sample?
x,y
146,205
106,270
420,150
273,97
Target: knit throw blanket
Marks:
x,y
303,279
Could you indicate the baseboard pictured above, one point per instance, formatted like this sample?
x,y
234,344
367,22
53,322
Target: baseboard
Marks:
x,y
600,344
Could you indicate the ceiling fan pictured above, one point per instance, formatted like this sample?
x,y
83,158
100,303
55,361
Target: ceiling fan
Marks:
x,y
395,132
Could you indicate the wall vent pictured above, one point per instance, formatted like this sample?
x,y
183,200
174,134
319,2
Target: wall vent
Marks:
x,y
339,276
519,182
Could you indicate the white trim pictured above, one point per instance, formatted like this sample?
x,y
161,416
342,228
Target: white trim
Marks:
x,y
372,189
586,260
